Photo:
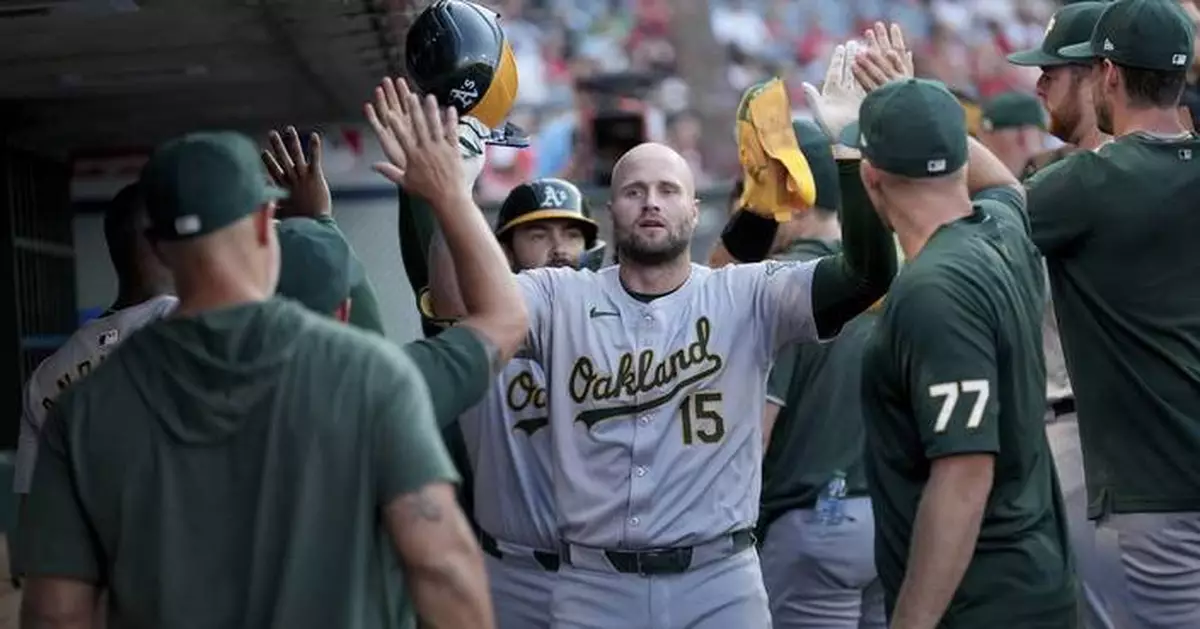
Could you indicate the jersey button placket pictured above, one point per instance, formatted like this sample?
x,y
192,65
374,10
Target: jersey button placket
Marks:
x,y
641,451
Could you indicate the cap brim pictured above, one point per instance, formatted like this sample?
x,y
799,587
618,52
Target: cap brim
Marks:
x,y
1077,52
850,136
1035,57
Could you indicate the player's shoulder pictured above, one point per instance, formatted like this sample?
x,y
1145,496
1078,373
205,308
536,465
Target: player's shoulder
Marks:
x,y
554,279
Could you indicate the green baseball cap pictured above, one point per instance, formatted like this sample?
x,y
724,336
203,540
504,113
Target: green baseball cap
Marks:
x,y
1144,34
317,267
201,182
818,152
1011,110
912,128
1071,24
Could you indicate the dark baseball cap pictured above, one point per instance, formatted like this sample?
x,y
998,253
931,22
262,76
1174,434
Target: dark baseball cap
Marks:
x,y
317,267
1012,110
912,128
818,152
201,182
1071,24
1144,34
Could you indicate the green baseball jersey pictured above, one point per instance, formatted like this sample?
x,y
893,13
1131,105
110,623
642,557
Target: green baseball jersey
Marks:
x,y
819,430
956,368
365,313
228,470
1118,229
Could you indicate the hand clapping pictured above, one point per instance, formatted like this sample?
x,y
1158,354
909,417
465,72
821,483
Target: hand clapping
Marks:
x,y
419,139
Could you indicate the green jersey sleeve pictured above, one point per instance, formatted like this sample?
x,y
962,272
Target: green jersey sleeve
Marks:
x,y
457,369
780,381
365,313
56,537
949,361
407,451
1007,202
1059,215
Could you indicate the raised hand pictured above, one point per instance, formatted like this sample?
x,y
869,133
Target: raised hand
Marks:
x,y
836,104
885,58
420,141
302,177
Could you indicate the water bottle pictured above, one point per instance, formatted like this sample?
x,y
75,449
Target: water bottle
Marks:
x,y
831,508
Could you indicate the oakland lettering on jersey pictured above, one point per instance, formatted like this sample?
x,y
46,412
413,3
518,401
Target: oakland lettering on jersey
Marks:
x,y
524,393
641,374
64,381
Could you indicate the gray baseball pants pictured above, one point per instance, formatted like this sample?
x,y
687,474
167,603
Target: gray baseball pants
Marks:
x,y
521,591
723,594
1097,558
1160,554
823,576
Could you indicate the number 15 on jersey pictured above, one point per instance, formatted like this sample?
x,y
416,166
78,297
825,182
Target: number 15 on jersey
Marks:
x,y
700,418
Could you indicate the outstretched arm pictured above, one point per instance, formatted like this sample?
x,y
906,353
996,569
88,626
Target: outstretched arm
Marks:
x,y
422,147
848,283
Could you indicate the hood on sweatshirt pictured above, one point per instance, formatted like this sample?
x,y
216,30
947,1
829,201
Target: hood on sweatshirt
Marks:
x,y
205,375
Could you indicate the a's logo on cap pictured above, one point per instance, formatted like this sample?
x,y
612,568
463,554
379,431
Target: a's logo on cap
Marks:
x,y
187,225
1178,60
935,166
1108,45
553,197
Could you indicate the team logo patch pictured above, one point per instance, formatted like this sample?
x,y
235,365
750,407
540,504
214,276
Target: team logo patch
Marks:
x,y
109,338
553,197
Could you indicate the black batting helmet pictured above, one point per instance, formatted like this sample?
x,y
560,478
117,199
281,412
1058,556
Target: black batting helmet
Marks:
x,y
550,198
457,51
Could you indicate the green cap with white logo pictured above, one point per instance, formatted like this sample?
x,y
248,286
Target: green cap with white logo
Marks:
x,y
1143,34
201,182
912,128
1071,24
1012,110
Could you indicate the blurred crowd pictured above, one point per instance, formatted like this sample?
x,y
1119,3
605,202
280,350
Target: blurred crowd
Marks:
x,y
559,43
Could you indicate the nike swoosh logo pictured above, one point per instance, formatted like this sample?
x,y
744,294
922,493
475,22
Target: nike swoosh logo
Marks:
x,y
594,313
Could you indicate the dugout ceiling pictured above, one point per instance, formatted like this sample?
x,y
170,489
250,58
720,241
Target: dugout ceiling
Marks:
x,y
100,76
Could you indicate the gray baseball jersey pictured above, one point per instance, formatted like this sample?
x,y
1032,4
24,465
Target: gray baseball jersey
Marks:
x,y
75,359
508,442
656,408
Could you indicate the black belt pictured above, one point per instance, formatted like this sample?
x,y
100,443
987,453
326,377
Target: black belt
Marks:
x,y
668,560
1065,406
549,561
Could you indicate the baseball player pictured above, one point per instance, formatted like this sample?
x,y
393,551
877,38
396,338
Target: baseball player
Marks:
x,y
1065,88
545,223
818,572
291,167
245,462
457,52
1122,276
655,379
1012,127
143,285
970,526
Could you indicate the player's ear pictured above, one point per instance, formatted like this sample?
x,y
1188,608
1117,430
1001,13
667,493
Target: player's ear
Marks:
x,y
342,313
264,222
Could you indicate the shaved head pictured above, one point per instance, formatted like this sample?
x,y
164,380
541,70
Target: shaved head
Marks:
x,y
653,207
653,157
